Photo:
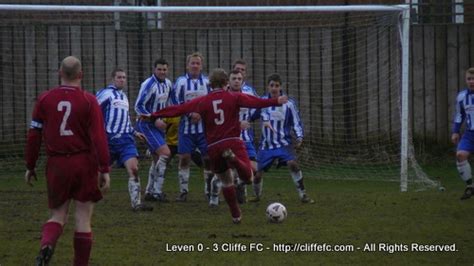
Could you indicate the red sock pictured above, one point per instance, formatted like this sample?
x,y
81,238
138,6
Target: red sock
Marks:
x,y
50,233
231,199
82,248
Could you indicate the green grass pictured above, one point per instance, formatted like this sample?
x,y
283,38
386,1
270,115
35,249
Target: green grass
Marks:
x,y
346,212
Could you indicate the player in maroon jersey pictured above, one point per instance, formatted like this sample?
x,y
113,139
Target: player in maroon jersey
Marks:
x,y
69,121
219,111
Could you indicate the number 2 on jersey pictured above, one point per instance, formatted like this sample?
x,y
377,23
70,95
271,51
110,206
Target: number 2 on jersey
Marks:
x,y
218,111
62,129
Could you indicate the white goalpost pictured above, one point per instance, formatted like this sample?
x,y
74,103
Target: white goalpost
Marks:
x,y
347,67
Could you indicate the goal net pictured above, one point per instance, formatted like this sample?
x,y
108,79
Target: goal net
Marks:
x,y
342,65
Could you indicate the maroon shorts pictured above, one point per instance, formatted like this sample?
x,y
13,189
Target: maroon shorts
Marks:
x,y
72,177
219,164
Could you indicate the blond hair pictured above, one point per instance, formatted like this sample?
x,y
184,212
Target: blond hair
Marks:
x,y
195,54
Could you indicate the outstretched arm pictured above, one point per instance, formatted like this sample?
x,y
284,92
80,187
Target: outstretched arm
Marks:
x,y
177,110
245,100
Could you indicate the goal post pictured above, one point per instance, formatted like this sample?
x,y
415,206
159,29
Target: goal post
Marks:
x,y
347,68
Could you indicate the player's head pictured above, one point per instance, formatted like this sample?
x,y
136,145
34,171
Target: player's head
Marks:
x,y
470,78
71,69
274,84
235,80
194,64
241,66
160,68
119,78
218,79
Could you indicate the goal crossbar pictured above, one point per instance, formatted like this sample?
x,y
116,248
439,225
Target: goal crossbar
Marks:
x,y
207,9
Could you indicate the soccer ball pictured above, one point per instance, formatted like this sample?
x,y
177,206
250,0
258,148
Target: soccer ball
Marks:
x,y
276,212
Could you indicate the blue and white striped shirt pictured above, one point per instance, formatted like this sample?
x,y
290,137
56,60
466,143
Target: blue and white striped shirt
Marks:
x,y
283,119
115,109
246,113
153,96
464,110
185,89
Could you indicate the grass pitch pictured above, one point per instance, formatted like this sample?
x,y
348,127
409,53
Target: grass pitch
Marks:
x,y
371,222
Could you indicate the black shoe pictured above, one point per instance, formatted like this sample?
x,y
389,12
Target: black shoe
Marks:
x,y
240,189
306,199
44,256
161,197
142,207
468,192
182,197
149,197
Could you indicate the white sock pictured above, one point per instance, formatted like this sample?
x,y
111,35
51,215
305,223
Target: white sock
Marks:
x,y
208,175
151,178
235,176
464,169
238,181
160,170
183,175
216,185
134,190
298,180
257,188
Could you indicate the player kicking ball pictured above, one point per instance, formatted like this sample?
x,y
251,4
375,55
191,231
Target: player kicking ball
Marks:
x,y
276,140
219,111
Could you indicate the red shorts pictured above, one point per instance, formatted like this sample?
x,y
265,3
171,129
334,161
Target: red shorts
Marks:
x,y
219,164
72,177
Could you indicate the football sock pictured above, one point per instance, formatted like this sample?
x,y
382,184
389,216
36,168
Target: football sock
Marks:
x,y
257,188
82,248
151,178
50,233
208,176
464,169
160,170
134,190
183,175
298,180
238,181
235,176
231,199
216,186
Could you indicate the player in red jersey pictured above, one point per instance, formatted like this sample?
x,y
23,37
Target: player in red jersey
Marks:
x,y
219,111
69,120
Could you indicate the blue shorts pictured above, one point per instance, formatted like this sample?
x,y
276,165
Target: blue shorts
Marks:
x,y
467,142
155,137
265,158
251,152
187,143
122,148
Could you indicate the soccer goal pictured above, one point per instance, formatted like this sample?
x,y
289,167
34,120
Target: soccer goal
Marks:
x,y
346,67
